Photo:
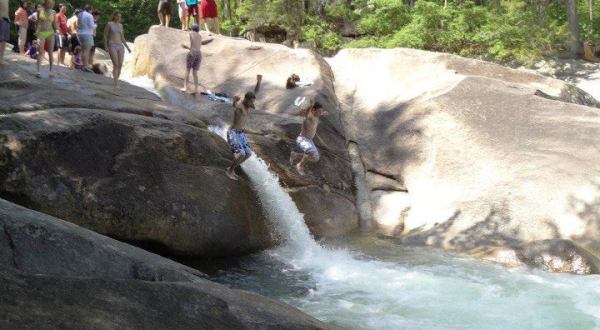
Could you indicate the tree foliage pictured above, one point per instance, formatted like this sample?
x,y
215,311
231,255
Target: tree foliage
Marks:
x,y
500,30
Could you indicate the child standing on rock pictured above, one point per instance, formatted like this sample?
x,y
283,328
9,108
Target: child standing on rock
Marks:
x,y
193,59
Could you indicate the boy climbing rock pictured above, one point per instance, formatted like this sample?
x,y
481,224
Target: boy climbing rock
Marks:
x,y
235,136
193,59
304,141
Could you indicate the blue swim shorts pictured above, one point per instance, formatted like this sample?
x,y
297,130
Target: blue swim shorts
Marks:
x,y
238,142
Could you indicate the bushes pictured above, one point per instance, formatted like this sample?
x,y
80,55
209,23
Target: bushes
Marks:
x,y
499,30
509,31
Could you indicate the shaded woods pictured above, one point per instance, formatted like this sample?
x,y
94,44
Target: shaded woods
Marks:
x,y
519,31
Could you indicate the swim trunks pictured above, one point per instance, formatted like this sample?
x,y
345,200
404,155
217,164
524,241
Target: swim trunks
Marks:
x,y
308,147
4,29
238,142
165,7
208,9
86,40
193,59
193,10
74,41
64,42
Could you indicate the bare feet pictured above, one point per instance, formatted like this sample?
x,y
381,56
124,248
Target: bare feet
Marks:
x,y
300,169
229,172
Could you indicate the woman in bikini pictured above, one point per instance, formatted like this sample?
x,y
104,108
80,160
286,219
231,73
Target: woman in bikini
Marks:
x,y
116,44
183,15
46,30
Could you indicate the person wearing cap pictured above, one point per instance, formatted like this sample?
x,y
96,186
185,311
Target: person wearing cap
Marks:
x,y
193,58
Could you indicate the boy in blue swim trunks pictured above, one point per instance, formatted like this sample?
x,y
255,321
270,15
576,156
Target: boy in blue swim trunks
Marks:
x,y
235,136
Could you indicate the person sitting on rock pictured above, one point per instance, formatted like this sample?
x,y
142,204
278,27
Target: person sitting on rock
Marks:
x,y
32,52
304,141
235,135
193,59
291,81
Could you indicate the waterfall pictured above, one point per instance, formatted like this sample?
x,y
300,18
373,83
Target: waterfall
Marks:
x,y
396,287
279,207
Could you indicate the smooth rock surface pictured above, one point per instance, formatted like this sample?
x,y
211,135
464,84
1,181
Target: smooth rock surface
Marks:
x,y
21,91
486,160
230,65
152,181
36,243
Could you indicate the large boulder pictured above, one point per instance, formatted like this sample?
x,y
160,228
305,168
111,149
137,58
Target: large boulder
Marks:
x,y
472,156
230,65
152,181
21,91
57,275
36,243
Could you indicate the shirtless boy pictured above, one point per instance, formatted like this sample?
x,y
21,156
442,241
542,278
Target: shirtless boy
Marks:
x,y
193,59
235,136
304,141
4,28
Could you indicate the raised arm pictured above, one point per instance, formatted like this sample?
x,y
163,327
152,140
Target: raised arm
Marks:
x,y
236,99
258,81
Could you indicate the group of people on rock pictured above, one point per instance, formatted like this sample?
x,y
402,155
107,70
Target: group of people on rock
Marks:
x,y
191,12
305,150
43,28
75,36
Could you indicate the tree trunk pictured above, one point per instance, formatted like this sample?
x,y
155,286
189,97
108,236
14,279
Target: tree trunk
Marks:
x,y
575,38
228,9
321,7
591,4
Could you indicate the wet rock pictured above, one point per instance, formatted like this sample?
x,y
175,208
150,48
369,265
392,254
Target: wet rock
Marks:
x,y
335,212
231,66
57,275
559,256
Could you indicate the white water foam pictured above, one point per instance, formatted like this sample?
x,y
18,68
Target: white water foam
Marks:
x,y
359,292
